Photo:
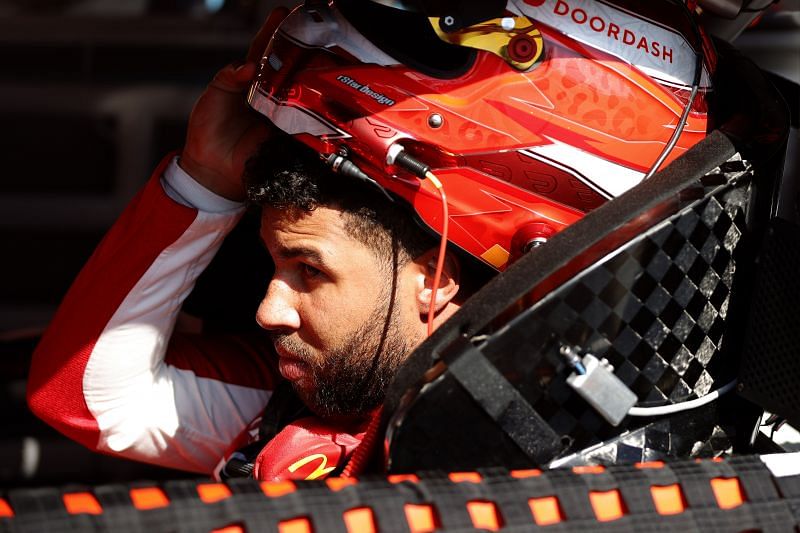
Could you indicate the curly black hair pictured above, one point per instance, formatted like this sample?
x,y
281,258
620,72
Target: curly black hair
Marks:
x,y
286,174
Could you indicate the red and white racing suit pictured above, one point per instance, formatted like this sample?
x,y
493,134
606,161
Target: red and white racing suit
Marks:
x,y
110,373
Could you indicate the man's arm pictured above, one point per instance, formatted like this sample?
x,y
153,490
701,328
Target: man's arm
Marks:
x,y
103,373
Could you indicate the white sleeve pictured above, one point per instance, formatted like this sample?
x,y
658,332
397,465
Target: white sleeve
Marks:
x,y
99,374
146,409
182,188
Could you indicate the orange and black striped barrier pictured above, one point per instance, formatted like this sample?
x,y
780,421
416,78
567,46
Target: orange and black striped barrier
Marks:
x,y
739,494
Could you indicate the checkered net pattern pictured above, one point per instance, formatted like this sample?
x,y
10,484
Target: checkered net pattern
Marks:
x,y
656,309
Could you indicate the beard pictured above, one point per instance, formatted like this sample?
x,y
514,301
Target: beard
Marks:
x,y
351,379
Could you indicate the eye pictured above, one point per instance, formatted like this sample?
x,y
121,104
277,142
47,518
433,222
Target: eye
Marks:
x,y
309,271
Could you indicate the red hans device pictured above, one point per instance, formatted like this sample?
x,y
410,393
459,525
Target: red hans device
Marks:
x,y
564,105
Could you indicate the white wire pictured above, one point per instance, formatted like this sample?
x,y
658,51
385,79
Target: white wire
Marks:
x,y
683,406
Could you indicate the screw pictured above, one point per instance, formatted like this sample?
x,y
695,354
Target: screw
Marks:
x,y
435,120
536,242
449,21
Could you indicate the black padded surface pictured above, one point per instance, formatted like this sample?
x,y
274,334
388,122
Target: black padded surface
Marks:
x,y
770,374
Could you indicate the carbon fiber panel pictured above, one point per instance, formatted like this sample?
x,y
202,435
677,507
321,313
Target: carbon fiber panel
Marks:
x,y
655,309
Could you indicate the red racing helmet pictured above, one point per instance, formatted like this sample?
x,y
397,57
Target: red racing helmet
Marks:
x,y
529,112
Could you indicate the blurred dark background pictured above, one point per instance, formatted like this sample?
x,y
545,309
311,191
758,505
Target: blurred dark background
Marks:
x,y
93,93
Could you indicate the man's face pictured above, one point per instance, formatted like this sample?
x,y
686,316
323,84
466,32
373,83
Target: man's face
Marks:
x,y
341,318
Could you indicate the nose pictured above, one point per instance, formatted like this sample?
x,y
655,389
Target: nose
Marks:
x,y
278,310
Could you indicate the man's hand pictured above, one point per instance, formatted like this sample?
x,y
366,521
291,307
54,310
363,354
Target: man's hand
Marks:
x,y
223,133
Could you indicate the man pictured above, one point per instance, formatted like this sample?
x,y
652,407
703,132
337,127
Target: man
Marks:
x,y
346,305
351,288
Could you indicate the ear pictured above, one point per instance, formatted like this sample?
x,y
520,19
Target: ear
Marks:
x,y
449,283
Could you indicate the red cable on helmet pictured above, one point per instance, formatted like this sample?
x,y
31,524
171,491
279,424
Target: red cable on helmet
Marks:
x,y
397,155
437,277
